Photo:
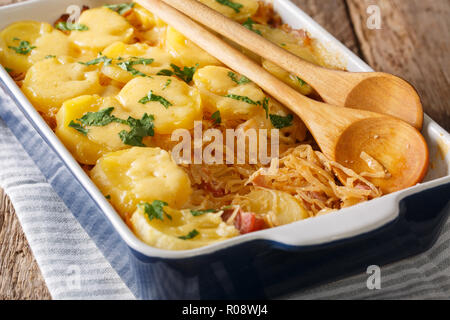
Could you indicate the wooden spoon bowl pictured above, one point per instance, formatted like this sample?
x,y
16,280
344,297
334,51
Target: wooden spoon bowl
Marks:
x,y
386,94
398,147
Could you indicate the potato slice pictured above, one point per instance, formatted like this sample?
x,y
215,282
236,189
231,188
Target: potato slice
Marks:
x,y
277,207
54,43
188,53
105,27
140,175
215,83
50,82
184,109
244,9
296,46
129,53
150,28
12,36
87,149
141,18
166,234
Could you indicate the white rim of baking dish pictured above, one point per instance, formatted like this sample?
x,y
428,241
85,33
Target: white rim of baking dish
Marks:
x,y
343,224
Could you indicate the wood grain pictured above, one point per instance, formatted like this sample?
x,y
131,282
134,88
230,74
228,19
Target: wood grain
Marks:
x,y
333,16
20,277
413,43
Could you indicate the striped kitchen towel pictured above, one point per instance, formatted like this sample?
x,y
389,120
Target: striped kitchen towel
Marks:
x,y
80,258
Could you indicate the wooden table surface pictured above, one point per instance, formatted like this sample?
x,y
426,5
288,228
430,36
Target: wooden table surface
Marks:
x,y
413,42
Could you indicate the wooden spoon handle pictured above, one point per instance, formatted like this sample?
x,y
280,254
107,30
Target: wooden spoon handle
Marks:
x,y
250,40
234,59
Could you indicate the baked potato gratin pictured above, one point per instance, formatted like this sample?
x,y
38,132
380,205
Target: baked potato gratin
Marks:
x,y
116,83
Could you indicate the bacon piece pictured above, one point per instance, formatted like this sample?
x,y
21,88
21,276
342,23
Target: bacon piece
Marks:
x,y
245,222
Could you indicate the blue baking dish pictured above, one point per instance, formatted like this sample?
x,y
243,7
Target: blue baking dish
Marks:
x,y
264,264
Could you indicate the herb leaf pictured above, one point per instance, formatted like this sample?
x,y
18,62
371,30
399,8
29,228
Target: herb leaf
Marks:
x,y
153,97
67,26
249,25
23,48
107,61
139,129
186,74
242,98
50,56
168,82
154,210
78,127
190,235
301,81
281,122
197,213
100,118
120,8
242,80
216,117
165,72
128,65
265,105
233,5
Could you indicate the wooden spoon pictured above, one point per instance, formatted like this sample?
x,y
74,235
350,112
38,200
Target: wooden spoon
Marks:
x,y
373,91
341,133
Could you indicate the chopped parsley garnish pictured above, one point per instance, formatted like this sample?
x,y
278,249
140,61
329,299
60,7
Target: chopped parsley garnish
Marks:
x,y
100,118
50,56
233,5
249,25
216,117
129,65
265,105
78,127
9,70
165,72
186,74
155,210
107,61
190,235
197,213
168,82
120,8
67,26
139,130
300,80
281,122
241,98
24,47
242,80
153,97
108,197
